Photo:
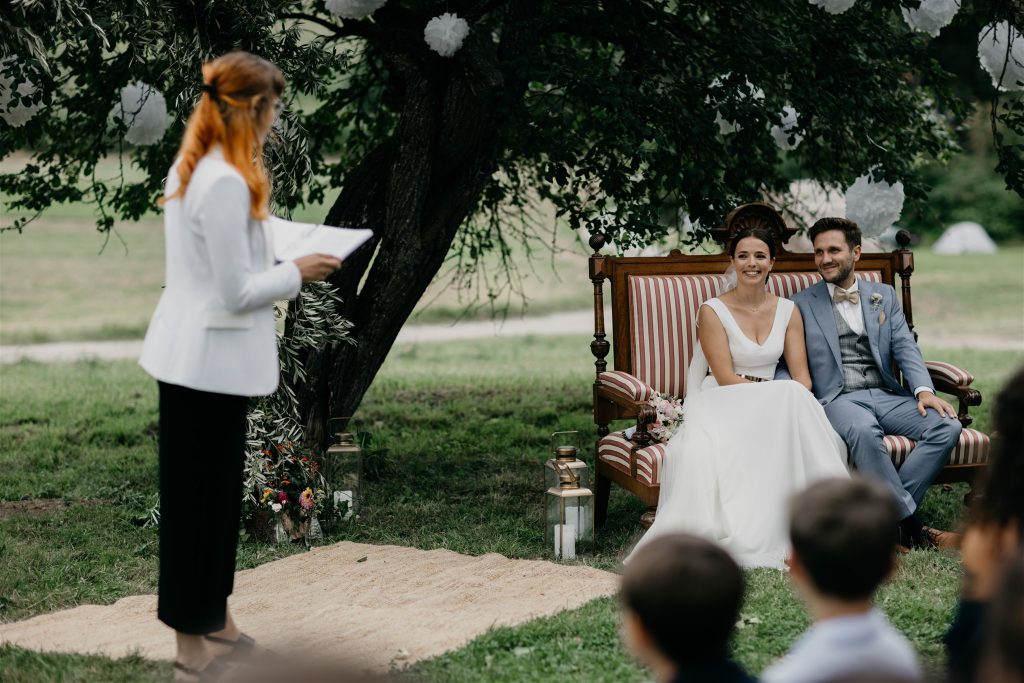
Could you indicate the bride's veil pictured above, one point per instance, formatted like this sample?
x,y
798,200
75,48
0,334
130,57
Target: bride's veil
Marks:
x,y
699,363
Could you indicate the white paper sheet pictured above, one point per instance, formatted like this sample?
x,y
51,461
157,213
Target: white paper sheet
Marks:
x,y
292,240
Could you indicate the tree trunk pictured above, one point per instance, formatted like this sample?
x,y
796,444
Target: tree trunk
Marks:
x,y
414,190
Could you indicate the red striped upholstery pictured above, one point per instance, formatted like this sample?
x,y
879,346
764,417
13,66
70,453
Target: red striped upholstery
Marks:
x,y
971,450
663,311
625,385
949,372
614,450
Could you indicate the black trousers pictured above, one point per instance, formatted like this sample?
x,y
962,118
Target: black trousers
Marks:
x,y
202,453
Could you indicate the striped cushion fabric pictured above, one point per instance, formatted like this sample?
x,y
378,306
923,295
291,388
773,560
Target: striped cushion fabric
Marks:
x,y
949,372
971,450
663,311
626,385
614,450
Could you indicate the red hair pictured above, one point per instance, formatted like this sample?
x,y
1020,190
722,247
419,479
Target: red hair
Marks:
x,y
239,87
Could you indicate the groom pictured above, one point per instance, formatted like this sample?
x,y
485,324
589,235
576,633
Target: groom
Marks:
x,y
855,331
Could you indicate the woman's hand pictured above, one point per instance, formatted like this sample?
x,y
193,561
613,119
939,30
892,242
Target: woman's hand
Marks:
x,y
316,266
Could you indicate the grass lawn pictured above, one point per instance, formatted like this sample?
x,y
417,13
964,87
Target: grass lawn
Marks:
x,y
466,426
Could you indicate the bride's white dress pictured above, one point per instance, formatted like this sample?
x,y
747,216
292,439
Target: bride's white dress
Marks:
x,y
744,449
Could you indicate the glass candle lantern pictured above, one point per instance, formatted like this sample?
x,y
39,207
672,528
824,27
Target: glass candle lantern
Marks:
x,y
569,524
343,472
568,455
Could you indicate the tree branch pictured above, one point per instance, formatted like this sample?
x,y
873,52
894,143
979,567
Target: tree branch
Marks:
x,y
349,30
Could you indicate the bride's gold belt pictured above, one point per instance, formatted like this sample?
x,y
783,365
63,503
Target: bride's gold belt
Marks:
x,y
755,379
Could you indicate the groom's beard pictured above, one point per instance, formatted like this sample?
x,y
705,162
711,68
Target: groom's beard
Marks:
x,y
840,274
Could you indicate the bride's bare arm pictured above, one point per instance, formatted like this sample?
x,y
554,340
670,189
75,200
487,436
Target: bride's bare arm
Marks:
x,y
795,351
715,343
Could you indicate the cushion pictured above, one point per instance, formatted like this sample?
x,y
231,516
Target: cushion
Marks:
x,y
663,320
972,448
626,385
614,449
949,372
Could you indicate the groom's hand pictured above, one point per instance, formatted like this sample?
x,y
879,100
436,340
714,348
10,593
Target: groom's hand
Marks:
x,y
927,399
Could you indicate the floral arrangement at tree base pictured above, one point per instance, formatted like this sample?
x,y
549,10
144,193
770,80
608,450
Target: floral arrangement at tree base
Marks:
x,y
292,498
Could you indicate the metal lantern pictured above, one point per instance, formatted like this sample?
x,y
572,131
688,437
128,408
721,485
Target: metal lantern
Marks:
x,y
343,472
569,527
565,454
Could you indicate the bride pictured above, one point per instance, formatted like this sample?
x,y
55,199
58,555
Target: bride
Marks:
x,y
747,443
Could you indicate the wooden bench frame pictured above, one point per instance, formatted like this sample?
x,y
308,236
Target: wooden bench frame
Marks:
x,y
616,270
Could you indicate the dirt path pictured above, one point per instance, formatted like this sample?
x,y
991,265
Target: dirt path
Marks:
x,y
569,322
373,606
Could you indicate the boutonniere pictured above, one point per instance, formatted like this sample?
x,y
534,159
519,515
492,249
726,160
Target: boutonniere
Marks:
x,y
876,305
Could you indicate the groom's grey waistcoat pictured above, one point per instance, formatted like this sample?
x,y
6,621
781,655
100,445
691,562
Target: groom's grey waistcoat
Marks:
x,y
859,369
889,340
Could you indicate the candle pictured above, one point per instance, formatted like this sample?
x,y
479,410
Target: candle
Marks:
x,y
568,531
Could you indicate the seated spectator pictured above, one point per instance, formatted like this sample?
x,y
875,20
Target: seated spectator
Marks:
x,y
681,597
1003,657
994,534
843,549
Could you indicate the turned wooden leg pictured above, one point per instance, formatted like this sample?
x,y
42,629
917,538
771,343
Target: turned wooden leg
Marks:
x,y
601,496
647,519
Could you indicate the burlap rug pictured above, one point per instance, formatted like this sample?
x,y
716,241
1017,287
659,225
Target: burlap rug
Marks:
x,y
373,606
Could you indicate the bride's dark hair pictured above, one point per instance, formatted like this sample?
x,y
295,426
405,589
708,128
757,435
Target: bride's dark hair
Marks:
x,y
757,233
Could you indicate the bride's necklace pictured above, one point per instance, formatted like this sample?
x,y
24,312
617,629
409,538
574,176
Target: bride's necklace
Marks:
x,y
747,307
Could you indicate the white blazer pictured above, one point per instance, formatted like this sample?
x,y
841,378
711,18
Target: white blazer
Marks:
x,y
213,329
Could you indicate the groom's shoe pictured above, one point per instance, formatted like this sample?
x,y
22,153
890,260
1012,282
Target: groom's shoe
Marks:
x,y
943,540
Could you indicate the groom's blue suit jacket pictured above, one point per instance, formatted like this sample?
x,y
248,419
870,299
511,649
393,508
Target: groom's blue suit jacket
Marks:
x,y
889,335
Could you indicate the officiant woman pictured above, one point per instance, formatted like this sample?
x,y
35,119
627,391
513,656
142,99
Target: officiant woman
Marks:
x,y
211,345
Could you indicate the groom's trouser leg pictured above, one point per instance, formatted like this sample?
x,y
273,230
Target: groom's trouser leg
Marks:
x,y
935,437
853,417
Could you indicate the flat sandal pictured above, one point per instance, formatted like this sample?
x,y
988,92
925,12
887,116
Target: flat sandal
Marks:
x,y
211,672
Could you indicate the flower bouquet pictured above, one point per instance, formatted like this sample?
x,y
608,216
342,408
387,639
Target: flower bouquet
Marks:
x,y
293,492
669,416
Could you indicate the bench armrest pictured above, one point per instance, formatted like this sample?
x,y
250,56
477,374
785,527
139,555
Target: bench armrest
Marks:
x,y
950,379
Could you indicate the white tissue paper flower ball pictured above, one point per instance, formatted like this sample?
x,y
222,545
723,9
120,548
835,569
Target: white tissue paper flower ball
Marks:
x,y
992,43
834,6
725,126
354,9
874,206
144,110
931,16
785,130
444,34
12,110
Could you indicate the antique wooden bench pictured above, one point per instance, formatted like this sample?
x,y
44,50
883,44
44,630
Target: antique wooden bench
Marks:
x,y
654,301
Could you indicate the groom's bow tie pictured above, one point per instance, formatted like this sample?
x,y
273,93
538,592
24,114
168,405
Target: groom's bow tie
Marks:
x,y
840,295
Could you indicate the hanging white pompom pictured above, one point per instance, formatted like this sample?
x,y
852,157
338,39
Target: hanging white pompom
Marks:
x,y
747,91
874,206
931,16
992,42
834,6
144,110
12,110
354,9
444,34
786,129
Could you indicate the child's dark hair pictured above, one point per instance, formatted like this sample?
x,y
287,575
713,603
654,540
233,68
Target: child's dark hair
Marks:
x,y
1003,481
757,233
687,593
844,534
850,230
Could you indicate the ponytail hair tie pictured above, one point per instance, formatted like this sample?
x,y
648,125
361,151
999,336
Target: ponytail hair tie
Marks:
x,y
211,90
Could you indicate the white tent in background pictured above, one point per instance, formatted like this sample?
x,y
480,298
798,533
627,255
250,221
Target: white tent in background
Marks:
x,y
965,238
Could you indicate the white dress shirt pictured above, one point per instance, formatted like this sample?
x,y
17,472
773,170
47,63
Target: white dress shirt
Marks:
x,y
851,312
857,645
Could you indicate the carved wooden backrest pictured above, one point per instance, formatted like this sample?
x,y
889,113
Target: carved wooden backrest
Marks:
x,y
654,300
